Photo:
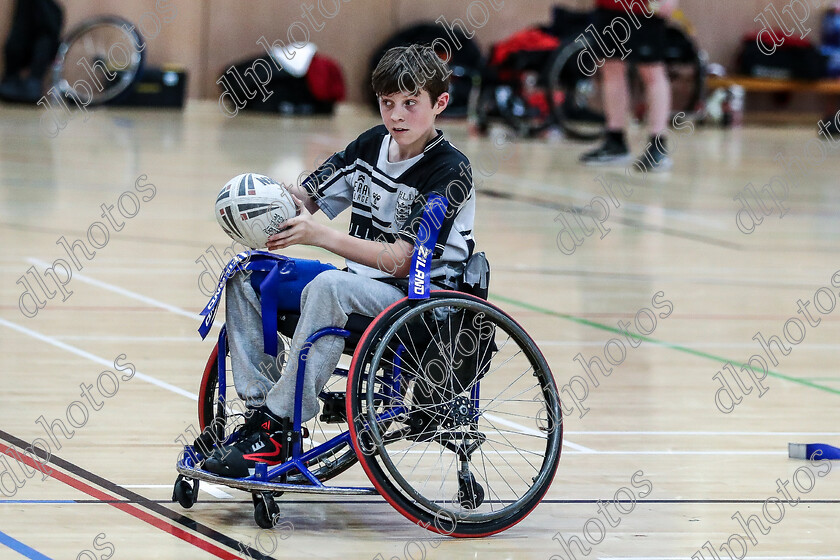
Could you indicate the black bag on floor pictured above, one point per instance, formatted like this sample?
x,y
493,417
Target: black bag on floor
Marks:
x,y
795,59
314,93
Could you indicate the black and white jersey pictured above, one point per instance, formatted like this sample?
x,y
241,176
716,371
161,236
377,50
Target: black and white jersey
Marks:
x,y
387,199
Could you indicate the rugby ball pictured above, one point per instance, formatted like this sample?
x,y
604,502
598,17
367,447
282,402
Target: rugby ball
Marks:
x,y
251,208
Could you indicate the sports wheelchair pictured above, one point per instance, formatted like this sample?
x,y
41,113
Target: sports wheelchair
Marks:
x,y
535,82
448,405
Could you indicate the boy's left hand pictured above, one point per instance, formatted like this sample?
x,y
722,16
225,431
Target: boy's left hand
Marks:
x,y
300,230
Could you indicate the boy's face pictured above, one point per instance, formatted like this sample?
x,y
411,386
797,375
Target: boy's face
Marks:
x,y
411,118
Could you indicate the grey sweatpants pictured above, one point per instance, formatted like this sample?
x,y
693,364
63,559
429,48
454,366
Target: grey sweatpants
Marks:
x,y
326,302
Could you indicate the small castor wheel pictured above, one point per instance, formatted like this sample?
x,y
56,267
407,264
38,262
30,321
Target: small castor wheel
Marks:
x,y
266,510
185,493
470,492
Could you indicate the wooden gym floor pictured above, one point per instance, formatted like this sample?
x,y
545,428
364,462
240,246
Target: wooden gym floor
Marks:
x,y
652,427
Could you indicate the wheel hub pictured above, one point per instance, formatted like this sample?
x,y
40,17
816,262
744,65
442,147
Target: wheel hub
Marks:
x,y
461,413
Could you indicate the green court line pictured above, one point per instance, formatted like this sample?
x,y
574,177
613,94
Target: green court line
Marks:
x,y
677,347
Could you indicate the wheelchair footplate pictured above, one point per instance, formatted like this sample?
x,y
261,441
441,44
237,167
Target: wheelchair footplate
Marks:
x,y
263,479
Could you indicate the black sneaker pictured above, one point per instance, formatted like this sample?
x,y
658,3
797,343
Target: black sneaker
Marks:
x,y
653,161
264,438
608,153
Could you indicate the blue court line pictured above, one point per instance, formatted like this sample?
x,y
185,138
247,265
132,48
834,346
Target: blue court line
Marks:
x,y
37,501
18,546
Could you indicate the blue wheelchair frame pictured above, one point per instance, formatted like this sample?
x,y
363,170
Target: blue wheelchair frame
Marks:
x,y
298,460
261,480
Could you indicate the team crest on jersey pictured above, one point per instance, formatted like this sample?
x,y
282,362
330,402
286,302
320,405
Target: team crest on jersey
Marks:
x,y
403,209
361,190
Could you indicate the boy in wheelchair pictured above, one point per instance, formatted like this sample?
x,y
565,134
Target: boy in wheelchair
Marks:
x,y
387,176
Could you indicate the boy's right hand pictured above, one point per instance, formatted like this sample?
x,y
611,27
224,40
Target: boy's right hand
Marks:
x,y
300,230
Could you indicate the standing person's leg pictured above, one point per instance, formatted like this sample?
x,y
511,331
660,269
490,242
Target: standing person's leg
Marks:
x,y
652,69
616,94
616,100
657,96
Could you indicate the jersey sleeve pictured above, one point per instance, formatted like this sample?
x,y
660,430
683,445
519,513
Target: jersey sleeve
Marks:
x,y
330,185
454,186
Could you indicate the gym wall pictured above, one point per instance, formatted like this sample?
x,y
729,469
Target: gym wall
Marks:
x,y
206,35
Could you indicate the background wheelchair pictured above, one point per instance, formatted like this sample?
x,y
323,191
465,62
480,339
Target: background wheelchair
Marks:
x,y
448,405
534,83
107,45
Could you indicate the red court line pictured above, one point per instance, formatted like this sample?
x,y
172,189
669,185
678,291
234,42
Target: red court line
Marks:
x,y
127,508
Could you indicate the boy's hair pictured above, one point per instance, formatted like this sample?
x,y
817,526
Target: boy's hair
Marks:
x,y
409,70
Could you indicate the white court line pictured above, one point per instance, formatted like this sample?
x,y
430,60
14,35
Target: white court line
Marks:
x,y
128,293
610,433
670,274
649,452
578,447
677,433
533,432
96,359
211,489
809,557
575,448
129,338
692,345
687,452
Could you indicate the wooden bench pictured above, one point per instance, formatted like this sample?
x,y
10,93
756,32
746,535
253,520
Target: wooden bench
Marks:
x,y
782,89
749,83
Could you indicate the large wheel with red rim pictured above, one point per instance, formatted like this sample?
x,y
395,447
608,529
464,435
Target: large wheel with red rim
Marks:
x,y
454,414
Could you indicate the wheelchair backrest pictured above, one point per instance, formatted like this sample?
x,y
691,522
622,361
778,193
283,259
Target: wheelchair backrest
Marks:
x,y
475,279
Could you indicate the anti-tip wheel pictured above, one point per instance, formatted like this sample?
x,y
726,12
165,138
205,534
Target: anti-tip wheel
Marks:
x,y
185,493
266,511
470,492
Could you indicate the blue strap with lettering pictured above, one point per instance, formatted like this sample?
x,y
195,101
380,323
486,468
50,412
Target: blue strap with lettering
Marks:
x,y
424,246
279,280
255,261
209,312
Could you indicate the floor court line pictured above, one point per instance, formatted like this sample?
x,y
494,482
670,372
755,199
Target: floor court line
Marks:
x,y
690,433
287,500
575,448
127,293
657,342
182,312
751,557
96,359
21,548
211,489
129,338
173,524
659,275
692,345
531,431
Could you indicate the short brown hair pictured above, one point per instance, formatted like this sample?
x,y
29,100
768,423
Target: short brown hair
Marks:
x,y
410,69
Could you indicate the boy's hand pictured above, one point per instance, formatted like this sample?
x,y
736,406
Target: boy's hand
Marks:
x,y
300,230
